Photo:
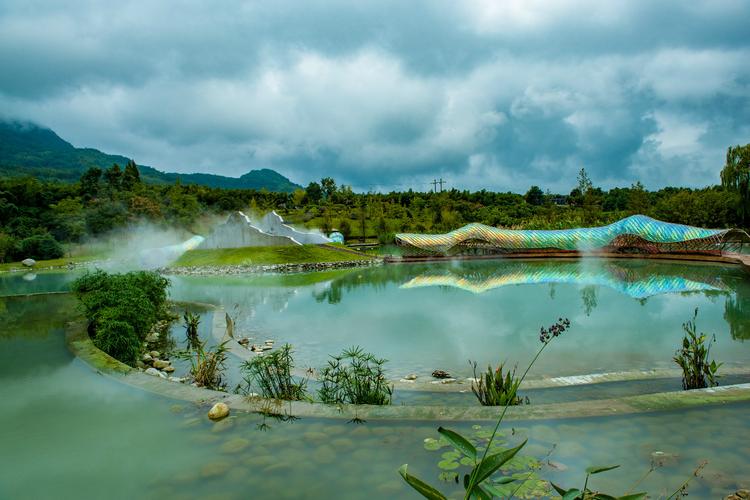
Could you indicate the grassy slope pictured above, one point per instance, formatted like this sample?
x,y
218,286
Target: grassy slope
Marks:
x,y
264,255
45,264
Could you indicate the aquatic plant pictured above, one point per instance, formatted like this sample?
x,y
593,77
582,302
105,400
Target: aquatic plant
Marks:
x,y
192,321
207,365
355,377
481,481
495,389
271,374
697,371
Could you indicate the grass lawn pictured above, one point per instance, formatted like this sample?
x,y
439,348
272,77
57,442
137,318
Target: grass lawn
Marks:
x,y
44,264
264,255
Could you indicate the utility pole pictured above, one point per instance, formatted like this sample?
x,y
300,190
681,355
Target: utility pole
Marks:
x,y
434,185
441,182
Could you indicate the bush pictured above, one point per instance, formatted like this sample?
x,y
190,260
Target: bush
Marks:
x,y
355,377
271,374
118,339
40,247
8,247
697,371
109,301
494,389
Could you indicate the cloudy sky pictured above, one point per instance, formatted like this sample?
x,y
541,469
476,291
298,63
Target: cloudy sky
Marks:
x,y
391,94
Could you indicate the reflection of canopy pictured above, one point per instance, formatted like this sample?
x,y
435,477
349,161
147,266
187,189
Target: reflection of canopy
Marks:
x,y
637,231
638,286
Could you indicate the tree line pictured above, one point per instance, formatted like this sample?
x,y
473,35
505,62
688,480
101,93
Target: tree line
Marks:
x,y
38,219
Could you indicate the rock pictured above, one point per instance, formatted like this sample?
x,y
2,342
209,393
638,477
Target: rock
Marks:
x,y
269,342
160,364
743,493
168,369
155,354
441,374
152,338
267,347
152,371
235,445
28,262
244,342
218,411
662,459
140,364
215,469
411,376
147,358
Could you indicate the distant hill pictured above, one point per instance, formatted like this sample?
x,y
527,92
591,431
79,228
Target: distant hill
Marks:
x,y
28,149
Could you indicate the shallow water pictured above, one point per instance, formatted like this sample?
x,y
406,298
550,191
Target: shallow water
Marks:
x,y
68,432
625,314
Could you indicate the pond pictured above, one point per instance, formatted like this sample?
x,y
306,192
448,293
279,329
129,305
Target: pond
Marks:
x,y
68,432
625,314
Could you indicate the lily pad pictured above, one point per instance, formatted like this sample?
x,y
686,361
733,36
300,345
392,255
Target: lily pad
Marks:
x,y
448,464
451,455
448,477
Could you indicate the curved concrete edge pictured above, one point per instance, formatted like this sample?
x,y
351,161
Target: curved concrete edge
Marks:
x,y
81,345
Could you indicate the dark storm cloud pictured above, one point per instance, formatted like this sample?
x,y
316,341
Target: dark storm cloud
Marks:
x,y
391,94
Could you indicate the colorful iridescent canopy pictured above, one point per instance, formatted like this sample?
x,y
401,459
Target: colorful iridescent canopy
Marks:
x,y
633,231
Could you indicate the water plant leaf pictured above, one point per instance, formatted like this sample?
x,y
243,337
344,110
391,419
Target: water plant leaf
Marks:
x,y
432,444
491,463
459,442
448,477
596,469
451,455
558,489
634,496
448,464
420,486
571,494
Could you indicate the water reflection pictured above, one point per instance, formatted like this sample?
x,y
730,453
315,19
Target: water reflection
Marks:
x,y
635,280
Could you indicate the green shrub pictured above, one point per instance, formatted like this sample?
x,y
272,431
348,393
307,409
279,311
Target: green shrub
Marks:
x,y
697,371
119,340
40,247
494,389
135,299
271,375
355,377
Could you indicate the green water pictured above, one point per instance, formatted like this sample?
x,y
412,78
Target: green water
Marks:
x,y
67,432
625,314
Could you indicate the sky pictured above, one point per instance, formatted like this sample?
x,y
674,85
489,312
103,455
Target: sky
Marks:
x,y
390,94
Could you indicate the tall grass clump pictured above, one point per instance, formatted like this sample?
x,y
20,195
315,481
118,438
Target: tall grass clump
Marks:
x,y
271,375
355,377
191,322
207,365
697,371
495,389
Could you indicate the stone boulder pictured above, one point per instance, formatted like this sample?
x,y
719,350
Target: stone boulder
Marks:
x,y
218,411
28,262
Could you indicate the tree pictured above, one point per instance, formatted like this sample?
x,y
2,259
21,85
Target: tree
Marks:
x,y
735,177
314,192
329,187
90,182
534,196
584,182
131,176
638,202
113,176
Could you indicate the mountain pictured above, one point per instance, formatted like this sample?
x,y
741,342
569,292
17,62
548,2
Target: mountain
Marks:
x,y
28,149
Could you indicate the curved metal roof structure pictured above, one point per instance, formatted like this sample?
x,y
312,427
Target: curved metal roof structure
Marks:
x,y
637,231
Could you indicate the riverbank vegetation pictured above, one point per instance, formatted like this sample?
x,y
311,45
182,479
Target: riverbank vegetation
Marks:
x,y
122,309
105,200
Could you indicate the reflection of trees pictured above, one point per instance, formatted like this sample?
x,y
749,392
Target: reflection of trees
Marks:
x,y
588,296
737,315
